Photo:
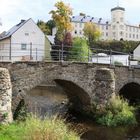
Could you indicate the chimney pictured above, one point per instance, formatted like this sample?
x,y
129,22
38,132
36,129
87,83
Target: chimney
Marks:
x,y
22,20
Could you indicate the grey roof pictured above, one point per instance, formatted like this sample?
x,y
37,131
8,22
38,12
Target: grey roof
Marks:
x,y
50,38
118,8
89,19
13,30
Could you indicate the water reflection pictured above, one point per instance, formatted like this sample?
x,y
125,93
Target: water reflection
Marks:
x,y
96,132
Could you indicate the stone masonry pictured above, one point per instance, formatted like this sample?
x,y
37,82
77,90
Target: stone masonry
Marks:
x,y
5,96
91,83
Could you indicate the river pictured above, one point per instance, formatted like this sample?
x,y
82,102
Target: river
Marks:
x,y
52,100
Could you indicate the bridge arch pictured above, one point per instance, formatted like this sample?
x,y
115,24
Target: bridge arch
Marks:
x,y
131,91
76,94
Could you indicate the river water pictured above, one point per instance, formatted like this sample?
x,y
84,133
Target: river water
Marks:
x,y
52,100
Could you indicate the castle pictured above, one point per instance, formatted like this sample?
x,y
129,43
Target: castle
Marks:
x,y
115,29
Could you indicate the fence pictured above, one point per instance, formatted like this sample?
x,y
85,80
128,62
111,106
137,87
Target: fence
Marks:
x,y
38,52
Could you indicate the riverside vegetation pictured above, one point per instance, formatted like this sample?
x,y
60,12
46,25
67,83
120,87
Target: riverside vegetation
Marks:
x,y
34,128
117,112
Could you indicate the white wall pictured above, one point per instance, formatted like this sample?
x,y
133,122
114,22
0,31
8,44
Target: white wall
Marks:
x,y
4,49
136,53
27,34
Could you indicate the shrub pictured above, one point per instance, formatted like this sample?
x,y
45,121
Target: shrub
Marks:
x,y
117,112
36,129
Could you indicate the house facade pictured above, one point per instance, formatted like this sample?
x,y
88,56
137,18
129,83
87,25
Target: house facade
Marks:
x,y
25,41
114,29
136,53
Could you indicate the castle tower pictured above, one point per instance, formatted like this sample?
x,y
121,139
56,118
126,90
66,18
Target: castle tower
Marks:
x,y
118,23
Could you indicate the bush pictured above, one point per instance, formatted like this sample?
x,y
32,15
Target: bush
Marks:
x,y
36,129
80,50
117,112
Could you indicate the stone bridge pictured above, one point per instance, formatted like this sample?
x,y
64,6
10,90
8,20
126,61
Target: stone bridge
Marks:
x,y
84,83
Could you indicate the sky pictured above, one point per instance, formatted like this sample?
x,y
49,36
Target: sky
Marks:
x,y
12,11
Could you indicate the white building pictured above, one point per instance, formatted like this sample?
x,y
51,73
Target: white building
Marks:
x,y
136,52
25,41
115,29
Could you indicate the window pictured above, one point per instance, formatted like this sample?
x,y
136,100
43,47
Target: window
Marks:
x,y
23,46
137,36
129,28
80,32
126,28
75,24
26,34
126,35
129,35
75,31
133,35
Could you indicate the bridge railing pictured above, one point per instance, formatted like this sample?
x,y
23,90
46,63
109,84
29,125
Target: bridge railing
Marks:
x,y
39,52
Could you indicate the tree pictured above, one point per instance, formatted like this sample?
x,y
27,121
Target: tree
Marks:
x,y
80,50
50,24
68,39
61,17
42,25
91,32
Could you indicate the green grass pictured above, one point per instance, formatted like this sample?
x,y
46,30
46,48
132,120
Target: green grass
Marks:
x,y
36,129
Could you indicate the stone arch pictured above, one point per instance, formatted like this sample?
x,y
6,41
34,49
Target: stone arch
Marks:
x,y
131,91
76,94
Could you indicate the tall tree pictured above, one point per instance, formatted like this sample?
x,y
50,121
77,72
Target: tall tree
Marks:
x,y
92,32
61,17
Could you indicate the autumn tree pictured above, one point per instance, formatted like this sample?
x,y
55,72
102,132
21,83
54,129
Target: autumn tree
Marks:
x,y
92,32
68,39
61,16
42,25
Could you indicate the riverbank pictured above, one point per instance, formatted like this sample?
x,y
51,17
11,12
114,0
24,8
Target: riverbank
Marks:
x,y
36,129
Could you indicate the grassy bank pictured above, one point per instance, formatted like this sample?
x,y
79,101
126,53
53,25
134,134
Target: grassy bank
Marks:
x,y
36,129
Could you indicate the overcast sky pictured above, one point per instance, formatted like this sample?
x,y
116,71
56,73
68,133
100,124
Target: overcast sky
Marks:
x,y
12,11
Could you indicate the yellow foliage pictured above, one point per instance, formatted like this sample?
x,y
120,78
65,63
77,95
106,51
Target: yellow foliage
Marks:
x,y
61,16
91,31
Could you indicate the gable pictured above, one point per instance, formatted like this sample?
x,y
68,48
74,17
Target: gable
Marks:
x,y
29,27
